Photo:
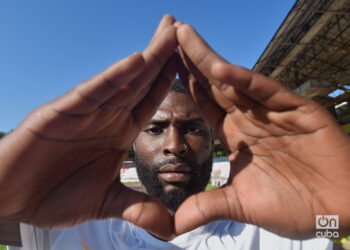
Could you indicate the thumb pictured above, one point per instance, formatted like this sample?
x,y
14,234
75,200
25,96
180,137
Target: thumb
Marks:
x,y
140,209
205,207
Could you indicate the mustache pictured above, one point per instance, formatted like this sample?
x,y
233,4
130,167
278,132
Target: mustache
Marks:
x,y
155,167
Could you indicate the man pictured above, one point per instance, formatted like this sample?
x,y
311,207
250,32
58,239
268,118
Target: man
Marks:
x,y
173,156
67,153
173,152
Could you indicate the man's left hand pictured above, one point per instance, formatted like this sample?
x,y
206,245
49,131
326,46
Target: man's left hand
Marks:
x,y
289,159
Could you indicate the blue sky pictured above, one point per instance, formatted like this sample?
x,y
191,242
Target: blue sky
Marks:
x,y
47,47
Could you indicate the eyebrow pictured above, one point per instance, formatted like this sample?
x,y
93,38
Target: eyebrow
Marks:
x,y
185,121
190,121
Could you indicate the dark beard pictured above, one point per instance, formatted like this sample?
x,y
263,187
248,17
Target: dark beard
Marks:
x,y
172,200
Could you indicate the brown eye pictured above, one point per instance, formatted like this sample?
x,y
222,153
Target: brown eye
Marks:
x,y
193,130
154,131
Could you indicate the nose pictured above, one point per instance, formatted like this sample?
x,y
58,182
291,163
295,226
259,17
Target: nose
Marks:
x,y
174,143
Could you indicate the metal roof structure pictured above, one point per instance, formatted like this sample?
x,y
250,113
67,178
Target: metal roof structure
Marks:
x,y
310,53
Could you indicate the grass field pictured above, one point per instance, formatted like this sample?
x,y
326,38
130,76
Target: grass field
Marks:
x,y
132,182
210,187
3,247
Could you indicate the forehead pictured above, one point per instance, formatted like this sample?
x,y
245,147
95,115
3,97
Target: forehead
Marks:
x,y
177,106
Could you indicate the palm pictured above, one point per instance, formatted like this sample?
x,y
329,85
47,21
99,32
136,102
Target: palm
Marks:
x,y
276,146
84,156
273,169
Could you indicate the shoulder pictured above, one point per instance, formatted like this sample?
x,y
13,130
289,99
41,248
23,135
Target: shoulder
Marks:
x,y
227,234
37,238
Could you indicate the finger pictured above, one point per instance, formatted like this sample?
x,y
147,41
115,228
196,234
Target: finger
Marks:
x,y
215,116
155,57
215,112
177,24
229,102
150,103
191,77
212,105
236,103
140,209
166,21
199,210
233,98
207,107
157,53
225,76
89,95
152,58
132,120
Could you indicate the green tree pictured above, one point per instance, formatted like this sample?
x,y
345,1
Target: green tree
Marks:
x,y
2,134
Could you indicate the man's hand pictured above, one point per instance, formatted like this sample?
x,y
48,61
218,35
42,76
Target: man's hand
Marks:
x,y
61,166
289,159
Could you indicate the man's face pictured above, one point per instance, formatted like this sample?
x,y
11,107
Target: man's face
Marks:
x,y
173,152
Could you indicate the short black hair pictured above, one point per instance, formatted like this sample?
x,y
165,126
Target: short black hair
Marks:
x,y
177,87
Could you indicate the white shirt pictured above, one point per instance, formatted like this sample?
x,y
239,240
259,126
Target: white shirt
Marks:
x,y
120,234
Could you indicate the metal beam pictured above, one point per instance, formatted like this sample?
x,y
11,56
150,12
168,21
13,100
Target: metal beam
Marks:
x,y
308,36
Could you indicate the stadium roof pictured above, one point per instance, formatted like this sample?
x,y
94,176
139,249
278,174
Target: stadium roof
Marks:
x,y
310,53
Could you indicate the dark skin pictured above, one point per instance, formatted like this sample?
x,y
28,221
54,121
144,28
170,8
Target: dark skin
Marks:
x,y
289,158
175,132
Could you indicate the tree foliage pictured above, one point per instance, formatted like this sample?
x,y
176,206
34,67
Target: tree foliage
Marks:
x,y
2,134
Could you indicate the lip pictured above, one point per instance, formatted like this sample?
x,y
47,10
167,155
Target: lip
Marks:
x,y
175,173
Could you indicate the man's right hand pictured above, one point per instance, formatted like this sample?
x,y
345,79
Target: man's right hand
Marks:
x,y
61,166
